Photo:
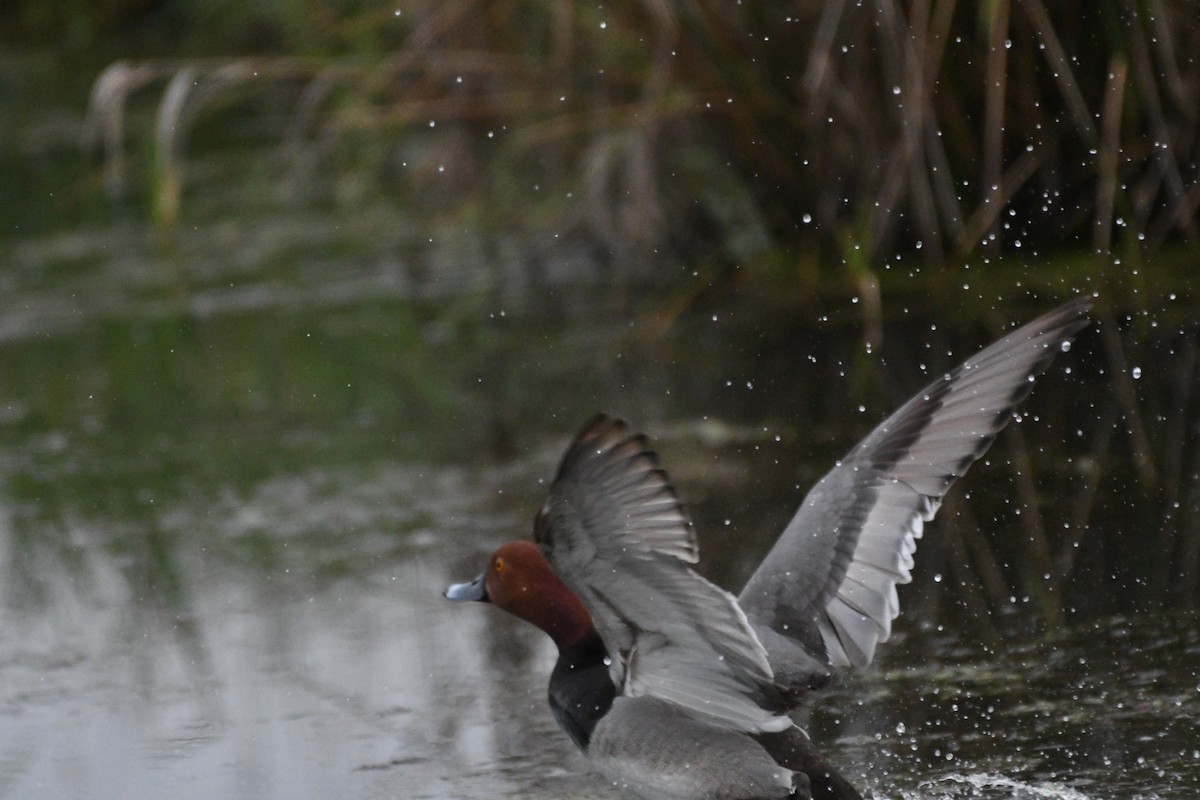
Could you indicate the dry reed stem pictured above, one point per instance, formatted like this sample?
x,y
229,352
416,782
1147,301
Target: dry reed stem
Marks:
x,y
105,120
983,556
995,94
190,84
1110,147
986,214
916,118
1172,460
1167,63
1126,394
1084,504
1060,67
1145,74
971,594
1189,547
941,175
1041,580
895,169
818,71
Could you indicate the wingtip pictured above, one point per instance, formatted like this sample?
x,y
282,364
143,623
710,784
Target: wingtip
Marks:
x,y
1071,316
600,424
619,460
1081,306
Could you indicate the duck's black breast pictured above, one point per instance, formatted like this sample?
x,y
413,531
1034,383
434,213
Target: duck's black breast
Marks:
x,y
581,689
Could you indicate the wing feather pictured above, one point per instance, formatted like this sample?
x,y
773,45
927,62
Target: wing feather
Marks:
x,y
615,532
829,582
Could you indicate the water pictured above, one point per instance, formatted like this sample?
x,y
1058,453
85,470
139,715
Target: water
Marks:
x,y
290,641
224,537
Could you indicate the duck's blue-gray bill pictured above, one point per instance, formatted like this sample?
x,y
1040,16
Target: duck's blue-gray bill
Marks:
x,y
462,592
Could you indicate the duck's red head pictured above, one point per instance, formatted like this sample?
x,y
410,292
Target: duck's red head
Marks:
x,y
519,580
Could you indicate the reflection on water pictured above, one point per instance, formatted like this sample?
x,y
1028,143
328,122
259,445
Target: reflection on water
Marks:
x,y
303,650
223,539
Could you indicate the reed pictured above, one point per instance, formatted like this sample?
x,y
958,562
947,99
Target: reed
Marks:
x,y
702,129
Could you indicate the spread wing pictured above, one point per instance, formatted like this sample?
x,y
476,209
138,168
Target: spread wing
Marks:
x,y
615,532
830,580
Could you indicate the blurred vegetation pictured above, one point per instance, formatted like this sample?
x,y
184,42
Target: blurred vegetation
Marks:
x,y
742,134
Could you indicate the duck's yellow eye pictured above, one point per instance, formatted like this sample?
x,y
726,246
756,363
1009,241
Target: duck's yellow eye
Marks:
x,y
498,565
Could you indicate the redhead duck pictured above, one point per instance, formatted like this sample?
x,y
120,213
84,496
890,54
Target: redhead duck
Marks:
x,y
676,689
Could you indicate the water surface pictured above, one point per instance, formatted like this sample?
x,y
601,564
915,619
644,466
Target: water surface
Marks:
x,y
232,491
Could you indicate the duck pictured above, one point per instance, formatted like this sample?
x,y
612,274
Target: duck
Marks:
x,y
673,687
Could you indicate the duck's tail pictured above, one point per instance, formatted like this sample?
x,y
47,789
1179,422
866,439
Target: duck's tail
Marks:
x,y
793,749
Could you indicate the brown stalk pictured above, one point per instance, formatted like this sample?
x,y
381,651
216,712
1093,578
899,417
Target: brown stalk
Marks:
x,y
983,556
1040,578
428,31
111,92
985,216
106,116
315,93
904,166
1180,216
187,92
820,55
1110,149
970,594
168,130
563,52
941,176
1177,425
1167,63
1176,430
1189,546
917,118
1091,474
1164,155
993,122
408,112
1060,67
1126,394
640,218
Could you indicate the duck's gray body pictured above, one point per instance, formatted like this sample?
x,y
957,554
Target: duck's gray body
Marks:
x,y
653,748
